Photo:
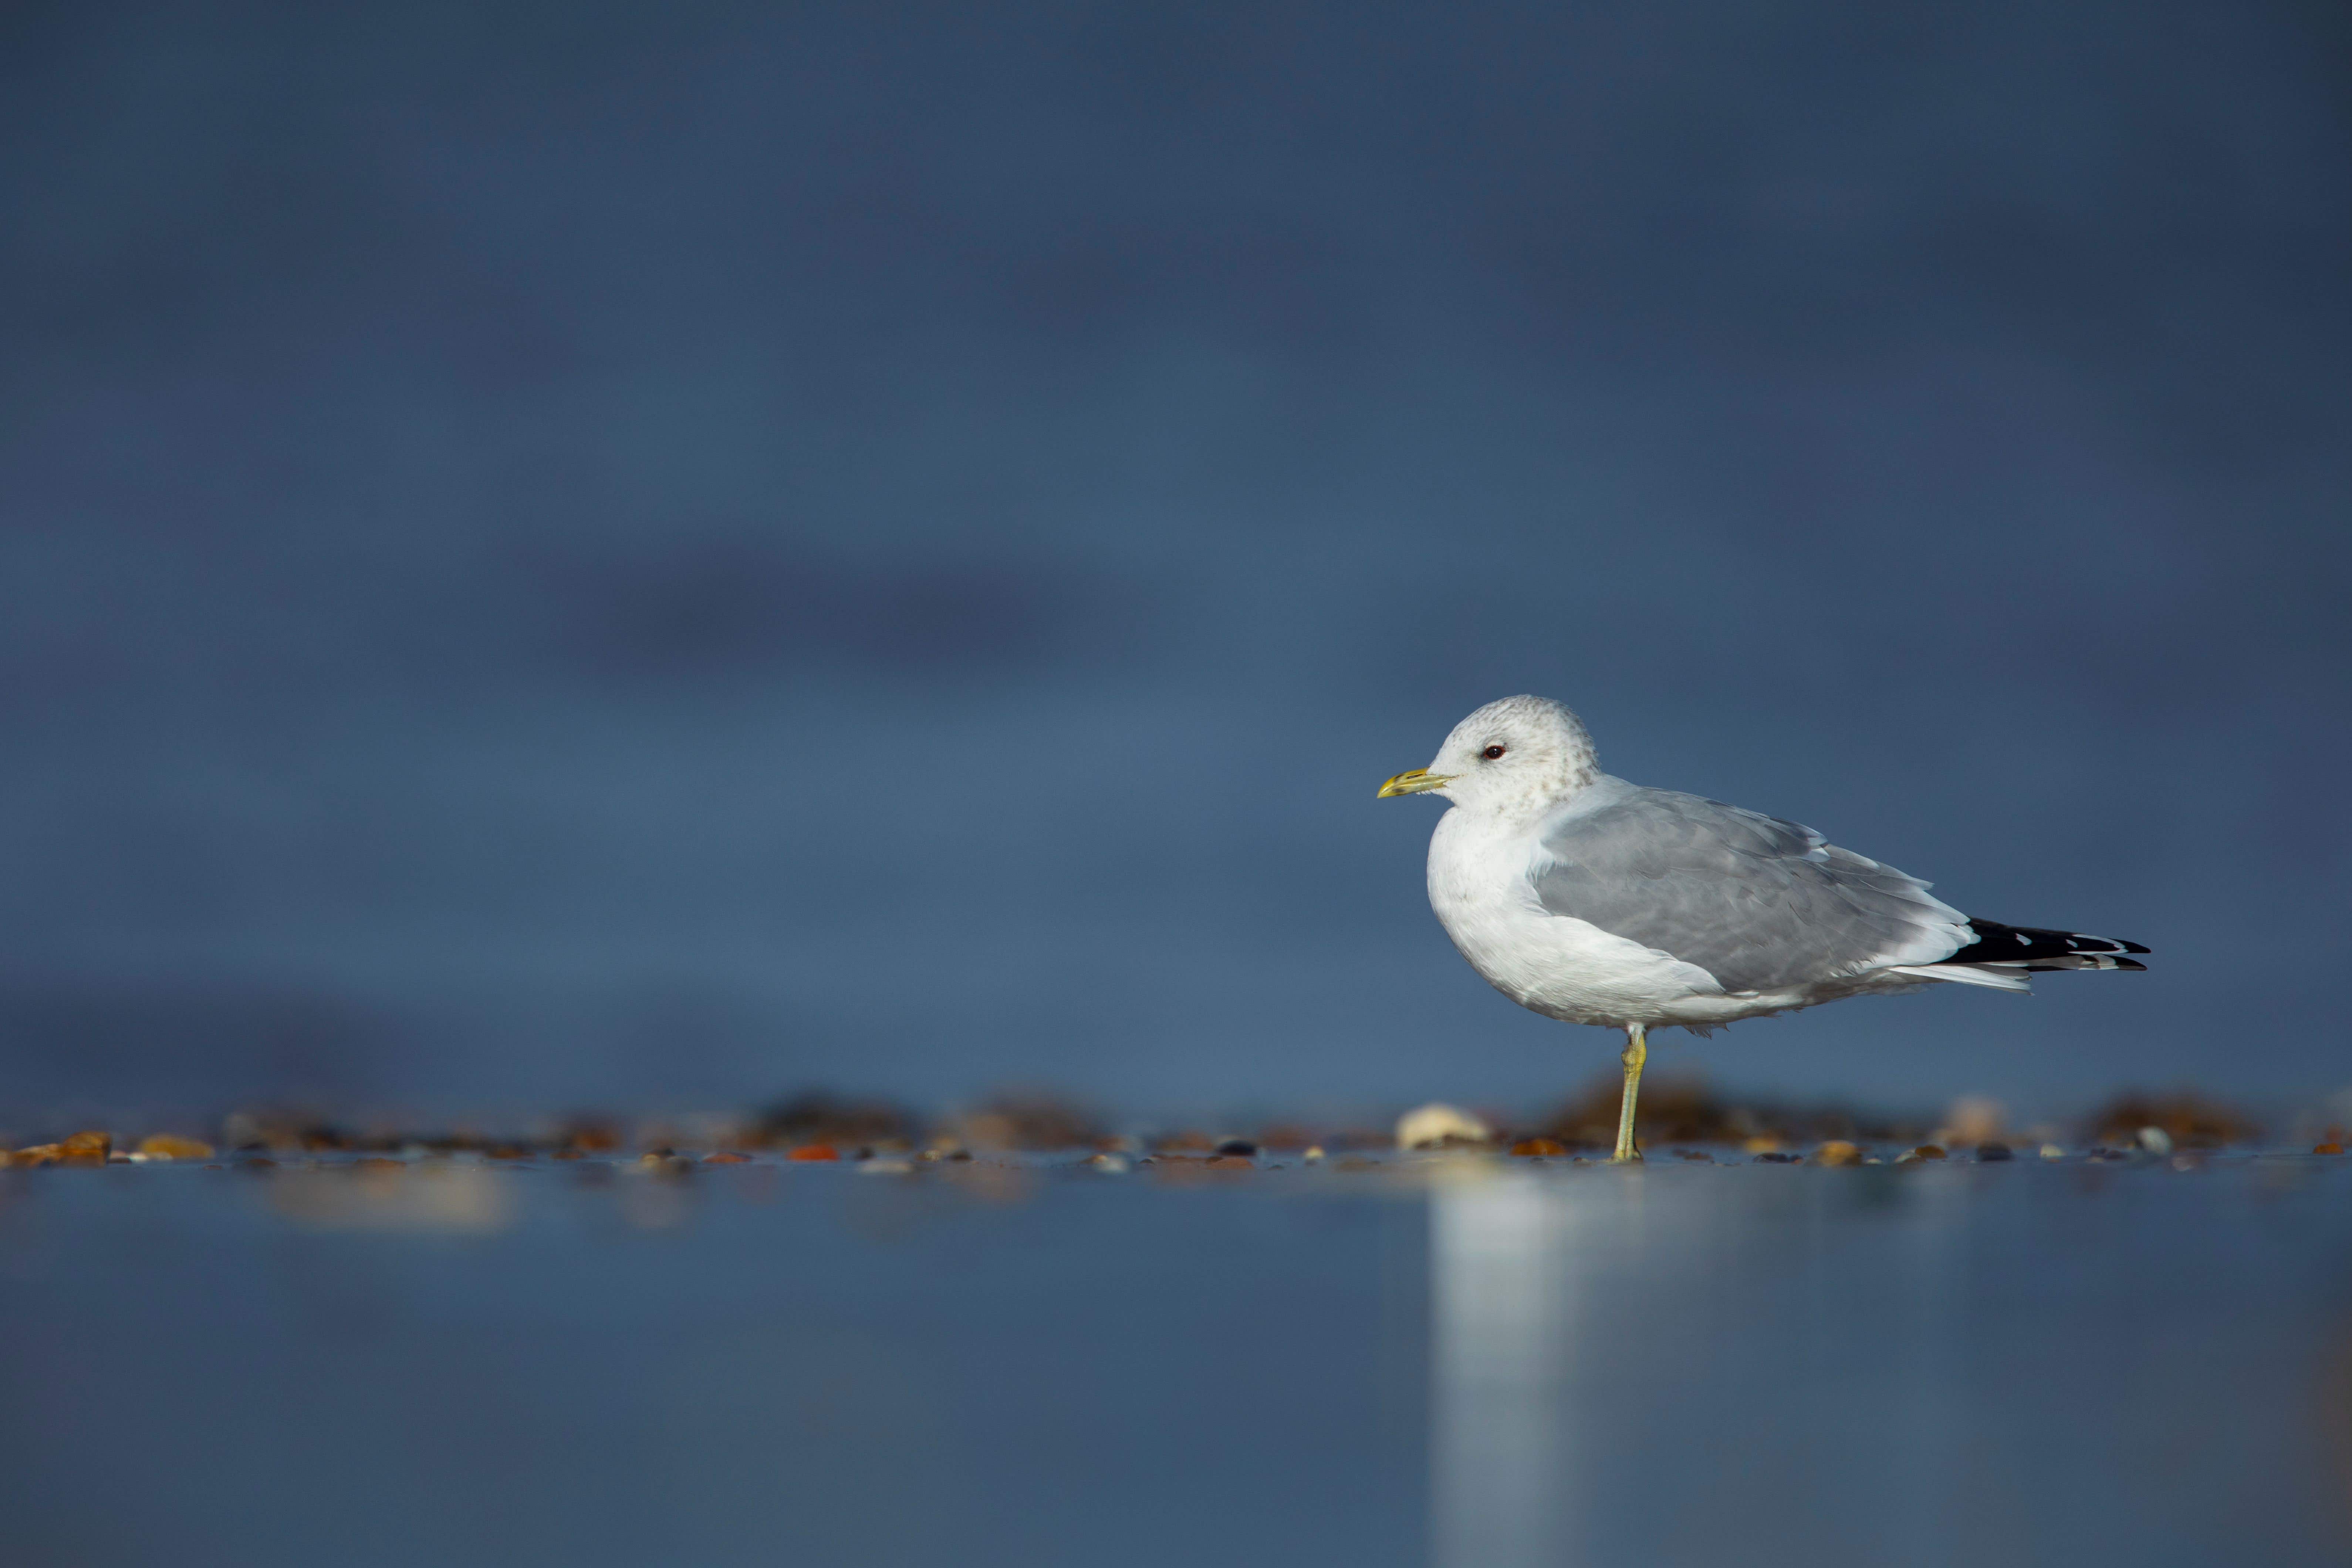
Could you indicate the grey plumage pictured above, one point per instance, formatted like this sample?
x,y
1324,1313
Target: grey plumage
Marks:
x,y
1757,902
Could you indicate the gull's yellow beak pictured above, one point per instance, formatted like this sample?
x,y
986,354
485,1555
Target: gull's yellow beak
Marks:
x,y
1417,781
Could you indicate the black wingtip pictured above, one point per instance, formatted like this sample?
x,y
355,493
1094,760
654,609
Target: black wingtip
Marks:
x,y
1999,944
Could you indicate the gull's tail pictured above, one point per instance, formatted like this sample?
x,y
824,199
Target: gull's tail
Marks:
x,y
2002,955
2028,947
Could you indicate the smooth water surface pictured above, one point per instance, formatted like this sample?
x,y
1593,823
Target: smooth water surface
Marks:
x,y
1462,1362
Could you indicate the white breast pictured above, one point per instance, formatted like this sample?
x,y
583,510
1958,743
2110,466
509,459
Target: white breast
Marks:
x,y
1564,968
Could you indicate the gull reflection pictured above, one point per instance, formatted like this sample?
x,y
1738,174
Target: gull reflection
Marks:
x,y
1579,1321
1504,1318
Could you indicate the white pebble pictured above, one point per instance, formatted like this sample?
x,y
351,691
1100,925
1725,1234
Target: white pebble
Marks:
x,y
1436,1125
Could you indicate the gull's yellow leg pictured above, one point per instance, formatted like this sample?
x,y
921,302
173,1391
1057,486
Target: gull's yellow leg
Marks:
x,y
1637,1051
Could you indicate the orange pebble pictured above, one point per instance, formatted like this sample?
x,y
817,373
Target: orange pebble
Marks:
x,y
171,1146
814,1151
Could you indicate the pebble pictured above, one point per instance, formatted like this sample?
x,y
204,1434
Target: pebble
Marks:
x,y
81,1149
2156,1140
2051,1151
726,1157
1314,1154
1539,1148
1436,1125
1989,1154
1837,1151
171,1146
1110,1164
818,1151
1236,1146
2328,1148
887,1166
1774,1157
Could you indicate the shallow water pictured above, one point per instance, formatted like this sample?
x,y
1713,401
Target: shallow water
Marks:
x,y
1453,1362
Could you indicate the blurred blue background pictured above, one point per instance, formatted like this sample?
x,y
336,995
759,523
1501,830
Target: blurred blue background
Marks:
x,y
556,553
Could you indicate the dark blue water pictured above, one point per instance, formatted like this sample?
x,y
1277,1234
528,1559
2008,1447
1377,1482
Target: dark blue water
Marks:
x,y
1465,1362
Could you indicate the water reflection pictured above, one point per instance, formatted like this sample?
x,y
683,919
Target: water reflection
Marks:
x,y
1764,1365
387,1194
1504,1324
1793,1345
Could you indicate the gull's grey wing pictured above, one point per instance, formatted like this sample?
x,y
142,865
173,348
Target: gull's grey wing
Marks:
x,y
1757,902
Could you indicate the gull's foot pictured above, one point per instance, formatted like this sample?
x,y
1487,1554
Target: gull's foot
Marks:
x,y
1631,1157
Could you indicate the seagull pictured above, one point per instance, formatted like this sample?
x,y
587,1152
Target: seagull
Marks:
x,y
1588,899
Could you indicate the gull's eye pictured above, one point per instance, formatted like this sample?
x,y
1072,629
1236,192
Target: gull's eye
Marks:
x,y
1491,753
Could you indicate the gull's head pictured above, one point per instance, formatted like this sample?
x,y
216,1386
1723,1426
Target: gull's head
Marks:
x,y
1520,753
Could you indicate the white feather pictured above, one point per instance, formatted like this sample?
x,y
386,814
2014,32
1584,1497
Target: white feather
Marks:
x,y
1967,974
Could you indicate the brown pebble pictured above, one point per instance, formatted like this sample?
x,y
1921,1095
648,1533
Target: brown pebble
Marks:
x,y
171,1146
1762,1143
726,1157
85,1149
1929,1151
1181,1168
2328,1148
38,1154
814,1151
1837,1151
1539,1148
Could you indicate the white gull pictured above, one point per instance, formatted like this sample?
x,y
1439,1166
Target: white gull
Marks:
x,y
1586,898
